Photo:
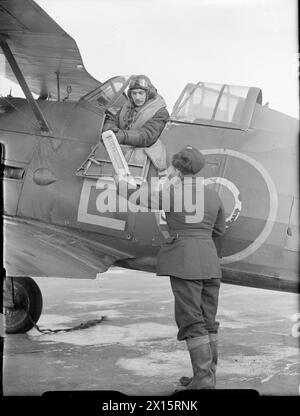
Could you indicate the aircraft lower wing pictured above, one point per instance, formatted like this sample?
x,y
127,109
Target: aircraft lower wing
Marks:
x,y
236,274
45,53
35,249
271,281
32,248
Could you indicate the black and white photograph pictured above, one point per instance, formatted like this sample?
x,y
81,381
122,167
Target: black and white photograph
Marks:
x,y
150,208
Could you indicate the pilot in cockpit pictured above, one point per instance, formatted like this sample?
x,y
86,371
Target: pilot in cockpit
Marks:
x,y
143,116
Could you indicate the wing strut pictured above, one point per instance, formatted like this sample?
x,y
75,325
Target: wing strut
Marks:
x,y
22,82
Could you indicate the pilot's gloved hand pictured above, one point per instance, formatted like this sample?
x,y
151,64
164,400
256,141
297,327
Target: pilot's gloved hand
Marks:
x,y
120,135
115,129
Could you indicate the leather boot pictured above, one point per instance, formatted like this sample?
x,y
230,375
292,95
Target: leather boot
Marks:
x,y
213,341
214,362
201,358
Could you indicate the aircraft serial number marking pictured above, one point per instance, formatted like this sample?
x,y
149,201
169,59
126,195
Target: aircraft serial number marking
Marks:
x,y
84,214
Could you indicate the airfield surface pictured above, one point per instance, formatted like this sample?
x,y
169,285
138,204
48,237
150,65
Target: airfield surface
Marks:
x,y
135,350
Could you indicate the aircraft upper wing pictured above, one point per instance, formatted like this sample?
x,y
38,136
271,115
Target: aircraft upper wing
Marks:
x,y
36,249
42,50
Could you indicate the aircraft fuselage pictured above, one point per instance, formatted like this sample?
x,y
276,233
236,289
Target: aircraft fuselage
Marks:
x,y
254,171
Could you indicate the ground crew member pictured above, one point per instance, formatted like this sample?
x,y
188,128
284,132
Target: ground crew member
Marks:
x,y
192,263
143,116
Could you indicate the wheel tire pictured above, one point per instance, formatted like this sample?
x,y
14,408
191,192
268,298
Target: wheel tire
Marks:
x,y
28,300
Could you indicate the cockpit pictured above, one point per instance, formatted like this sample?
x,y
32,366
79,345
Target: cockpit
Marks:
x,y
216,105
219,105
111,94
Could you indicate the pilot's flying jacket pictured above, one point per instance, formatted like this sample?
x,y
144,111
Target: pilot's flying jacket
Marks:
x,y
141,126
192,253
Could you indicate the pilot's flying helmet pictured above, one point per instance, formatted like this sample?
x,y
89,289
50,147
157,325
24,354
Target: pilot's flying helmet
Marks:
x,y
142,82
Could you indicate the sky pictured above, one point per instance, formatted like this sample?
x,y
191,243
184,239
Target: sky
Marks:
x,y
238,42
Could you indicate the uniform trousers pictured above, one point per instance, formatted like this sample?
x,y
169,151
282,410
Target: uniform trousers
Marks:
x,y
196,304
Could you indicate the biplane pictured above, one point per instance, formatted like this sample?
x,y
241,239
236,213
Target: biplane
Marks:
x,y
52,160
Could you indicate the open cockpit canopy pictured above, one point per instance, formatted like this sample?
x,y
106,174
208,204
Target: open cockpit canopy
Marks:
x,y
217,105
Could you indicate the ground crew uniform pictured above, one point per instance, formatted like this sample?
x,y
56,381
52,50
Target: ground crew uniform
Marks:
x,y
191,261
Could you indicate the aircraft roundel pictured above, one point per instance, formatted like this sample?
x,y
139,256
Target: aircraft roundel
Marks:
x,y
250,199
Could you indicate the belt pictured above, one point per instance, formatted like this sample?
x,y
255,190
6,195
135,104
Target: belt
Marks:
x,y
205,234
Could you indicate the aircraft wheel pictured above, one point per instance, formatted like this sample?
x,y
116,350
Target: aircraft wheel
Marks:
x,y
28,303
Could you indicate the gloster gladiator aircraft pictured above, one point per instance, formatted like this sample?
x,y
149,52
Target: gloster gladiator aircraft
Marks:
x,y
53,158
